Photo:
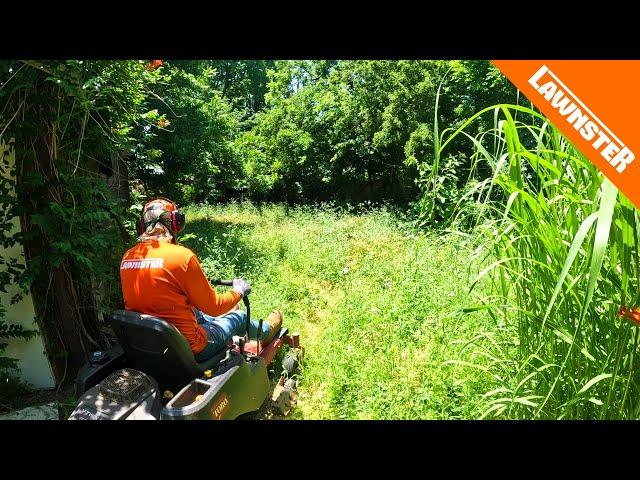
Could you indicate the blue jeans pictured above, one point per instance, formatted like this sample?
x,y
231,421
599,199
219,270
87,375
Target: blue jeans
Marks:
x,y
221,329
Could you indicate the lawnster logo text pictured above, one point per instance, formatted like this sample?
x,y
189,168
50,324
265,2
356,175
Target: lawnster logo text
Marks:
x,y
581,118
144,263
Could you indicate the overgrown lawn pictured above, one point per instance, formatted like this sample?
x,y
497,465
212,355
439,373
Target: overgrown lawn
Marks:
x,y
378,306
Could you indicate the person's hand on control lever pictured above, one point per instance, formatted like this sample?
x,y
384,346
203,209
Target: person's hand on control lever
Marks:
x,y
241,286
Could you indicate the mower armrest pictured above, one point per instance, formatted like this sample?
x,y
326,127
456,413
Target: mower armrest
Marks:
x,y
212,362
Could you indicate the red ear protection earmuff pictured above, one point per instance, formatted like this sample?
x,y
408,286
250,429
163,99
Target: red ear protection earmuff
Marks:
x,y
176,218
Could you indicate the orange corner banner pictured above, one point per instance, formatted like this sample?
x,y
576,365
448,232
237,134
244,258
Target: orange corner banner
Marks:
x,y
595,104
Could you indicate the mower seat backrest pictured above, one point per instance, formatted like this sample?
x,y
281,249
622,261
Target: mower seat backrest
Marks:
x,y
157,348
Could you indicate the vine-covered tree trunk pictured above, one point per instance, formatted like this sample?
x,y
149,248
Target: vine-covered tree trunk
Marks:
x,y
66,117
66,312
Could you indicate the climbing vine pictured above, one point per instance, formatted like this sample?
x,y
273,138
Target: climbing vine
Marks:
x,y
74,125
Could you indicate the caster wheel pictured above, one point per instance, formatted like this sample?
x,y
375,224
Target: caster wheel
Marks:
x,y
284,400
290,363
291,384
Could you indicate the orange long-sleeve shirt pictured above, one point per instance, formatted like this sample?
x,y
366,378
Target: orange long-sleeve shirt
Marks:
x,y
166,281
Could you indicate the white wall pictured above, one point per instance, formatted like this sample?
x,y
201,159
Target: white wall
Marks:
x,y
34,366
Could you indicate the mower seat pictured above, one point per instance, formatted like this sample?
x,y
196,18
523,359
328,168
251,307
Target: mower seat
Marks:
x,y
157,348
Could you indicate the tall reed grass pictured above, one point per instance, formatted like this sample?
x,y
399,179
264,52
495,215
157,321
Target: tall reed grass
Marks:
x,y
560,250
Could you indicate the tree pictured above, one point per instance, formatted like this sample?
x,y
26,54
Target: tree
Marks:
x,y
191,142
364,130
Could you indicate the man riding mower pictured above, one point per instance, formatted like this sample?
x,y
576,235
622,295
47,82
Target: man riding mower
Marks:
x,y
177,334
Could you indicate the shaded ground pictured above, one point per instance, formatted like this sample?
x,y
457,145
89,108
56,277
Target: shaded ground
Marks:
x,y
64,398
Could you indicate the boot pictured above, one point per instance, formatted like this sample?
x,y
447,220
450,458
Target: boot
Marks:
x,y
275,322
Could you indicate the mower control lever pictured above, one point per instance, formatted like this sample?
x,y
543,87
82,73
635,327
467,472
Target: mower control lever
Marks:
x,y
245,300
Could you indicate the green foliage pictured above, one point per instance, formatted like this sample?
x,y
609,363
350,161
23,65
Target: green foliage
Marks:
x,y
79,233
190,152
67,120
436,206
363,130
196,161
257,173
243,83
75,224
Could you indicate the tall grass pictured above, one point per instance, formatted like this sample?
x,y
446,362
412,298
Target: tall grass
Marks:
x,y
378,305
560,248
